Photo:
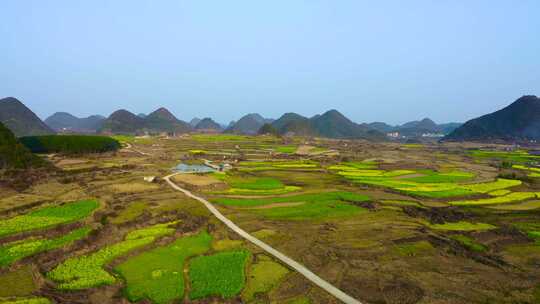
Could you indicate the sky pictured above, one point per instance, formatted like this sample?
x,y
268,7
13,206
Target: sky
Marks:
x,y
391,61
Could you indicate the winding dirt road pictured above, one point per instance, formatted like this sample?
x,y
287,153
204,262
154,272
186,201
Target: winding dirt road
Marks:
x,y
331,289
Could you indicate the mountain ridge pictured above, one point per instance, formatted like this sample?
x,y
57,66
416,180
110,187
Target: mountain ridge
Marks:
x,y
20,119
518,121
64,121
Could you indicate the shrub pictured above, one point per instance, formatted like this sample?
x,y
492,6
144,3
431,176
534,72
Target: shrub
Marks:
x,y
70,144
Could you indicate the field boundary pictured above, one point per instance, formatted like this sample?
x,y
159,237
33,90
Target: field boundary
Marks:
x,y
331,289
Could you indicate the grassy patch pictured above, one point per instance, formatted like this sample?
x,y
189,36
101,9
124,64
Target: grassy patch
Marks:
x,y
226,244
17,283
48,217
264,233
15,251
299,300
152,231
221,274
263,277
158,275
469,243
87,271
135,187
413,146
461,226
130,213
26,301
414,249
286,149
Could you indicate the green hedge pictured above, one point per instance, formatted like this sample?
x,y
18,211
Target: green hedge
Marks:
x,y
70,144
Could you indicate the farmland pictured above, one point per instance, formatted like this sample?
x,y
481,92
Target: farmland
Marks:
x,y
157,275
221,274
382,222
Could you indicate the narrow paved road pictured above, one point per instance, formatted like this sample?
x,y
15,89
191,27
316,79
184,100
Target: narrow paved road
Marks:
x,y
331,289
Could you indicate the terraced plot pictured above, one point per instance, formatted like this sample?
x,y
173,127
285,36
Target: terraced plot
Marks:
x,y
254,166
509,198
87,271
257,186
520,156
158,275
15,251
430,184
303,206
48,217
461,226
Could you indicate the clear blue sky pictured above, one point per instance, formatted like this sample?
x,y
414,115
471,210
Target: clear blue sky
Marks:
x,y
391,61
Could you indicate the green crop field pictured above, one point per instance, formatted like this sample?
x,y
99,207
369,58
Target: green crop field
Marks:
x,y
514,156
286,149
48,217
221,274
309,206
15,251
87,271
256,183
158,275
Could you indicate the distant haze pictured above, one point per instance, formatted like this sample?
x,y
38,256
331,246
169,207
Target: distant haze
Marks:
x,y
391,61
